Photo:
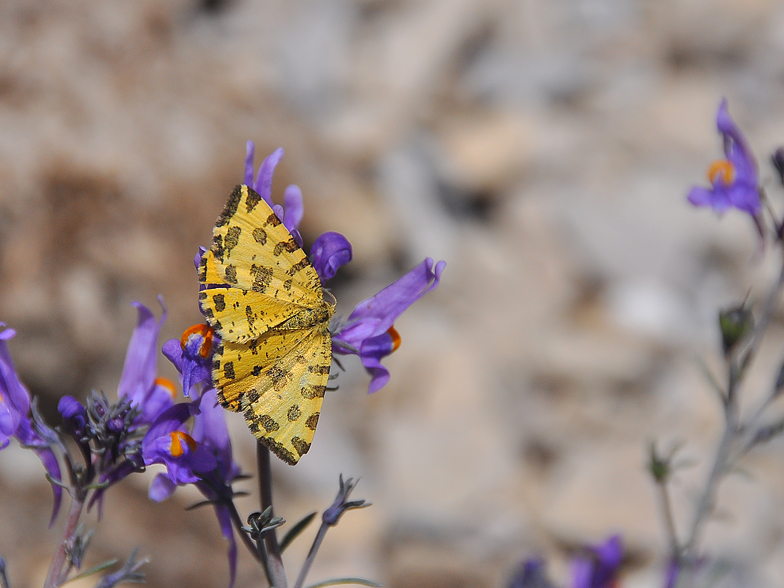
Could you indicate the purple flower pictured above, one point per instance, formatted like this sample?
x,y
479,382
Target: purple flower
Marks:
x,y
76,423
192,356
734,180
15,419
531,574
330,251
167,443
291,213
369,333
14,398
138,383
600,568
202,457
142,398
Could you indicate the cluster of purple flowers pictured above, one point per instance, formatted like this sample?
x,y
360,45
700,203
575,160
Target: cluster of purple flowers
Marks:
x,y
147,426
368,332
597,567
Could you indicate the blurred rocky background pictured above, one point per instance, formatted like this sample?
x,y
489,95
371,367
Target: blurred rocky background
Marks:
x,y
542,147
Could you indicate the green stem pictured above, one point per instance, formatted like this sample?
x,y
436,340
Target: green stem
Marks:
x,y
274,560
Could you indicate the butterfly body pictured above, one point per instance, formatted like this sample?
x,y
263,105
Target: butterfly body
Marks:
x,y
265,300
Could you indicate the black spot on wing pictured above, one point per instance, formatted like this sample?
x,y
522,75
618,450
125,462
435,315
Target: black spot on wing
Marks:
x,y
262,276
279,450
260,236
252,200
300,445
311,392
300,265
231,207
289,245
231,240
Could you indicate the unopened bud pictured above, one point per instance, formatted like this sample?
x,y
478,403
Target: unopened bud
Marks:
x,y
735,324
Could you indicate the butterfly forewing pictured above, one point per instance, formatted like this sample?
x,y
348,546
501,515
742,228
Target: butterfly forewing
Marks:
x,y
252,250
244,315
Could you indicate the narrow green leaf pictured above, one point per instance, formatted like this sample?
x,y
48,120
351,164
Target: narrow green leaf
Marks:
x,y
341,581
296,530
93,570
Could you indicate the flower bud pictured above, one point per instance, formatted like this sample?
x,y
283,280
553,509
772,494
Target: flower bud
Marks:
x,y
735,323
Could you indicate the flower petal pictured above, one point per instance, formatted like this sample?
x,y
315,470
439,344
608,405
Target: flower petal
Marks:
x,y
735,145
250,150
263,183
374,316
330,251
209,428
140,359
294,209
161,488
12,392
718,200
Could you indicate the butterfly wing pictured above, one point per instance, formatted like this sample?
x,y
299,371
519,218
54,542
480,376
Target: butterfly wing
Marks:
x,y
265,301
278,382
252,250
243,315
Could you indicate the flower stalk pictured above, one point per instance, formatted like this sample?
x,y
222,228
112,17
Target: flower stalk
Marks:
x,y
57,574
275,569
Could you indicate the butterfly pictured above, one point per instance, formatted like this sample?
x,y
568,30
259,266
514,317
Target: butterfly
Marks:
x,y
265,301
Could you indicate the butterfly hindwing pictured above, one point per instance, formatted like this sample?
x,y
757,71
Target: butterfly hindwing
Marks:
x,y
278,382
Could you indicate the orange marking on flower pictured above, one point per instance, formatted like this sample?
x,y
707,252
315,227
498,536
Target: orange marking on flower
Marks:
x,y
396,340
168,384
176,443
204,331
721,170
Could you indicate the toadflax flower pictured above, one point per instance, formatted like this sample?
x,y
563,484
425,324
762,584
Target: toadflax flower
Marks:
x,y
368,332
15,420
109,434
600,568
596,568
734,180
202,457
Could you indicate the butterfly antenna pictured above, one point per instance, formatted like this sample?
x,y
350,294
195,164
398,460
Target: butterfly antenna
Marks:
x,y
340,365
331,295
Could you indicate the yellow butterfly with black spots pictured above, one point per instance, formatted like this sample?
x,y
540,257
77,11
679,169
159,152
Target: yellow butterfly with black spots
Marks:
x,y
265,300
